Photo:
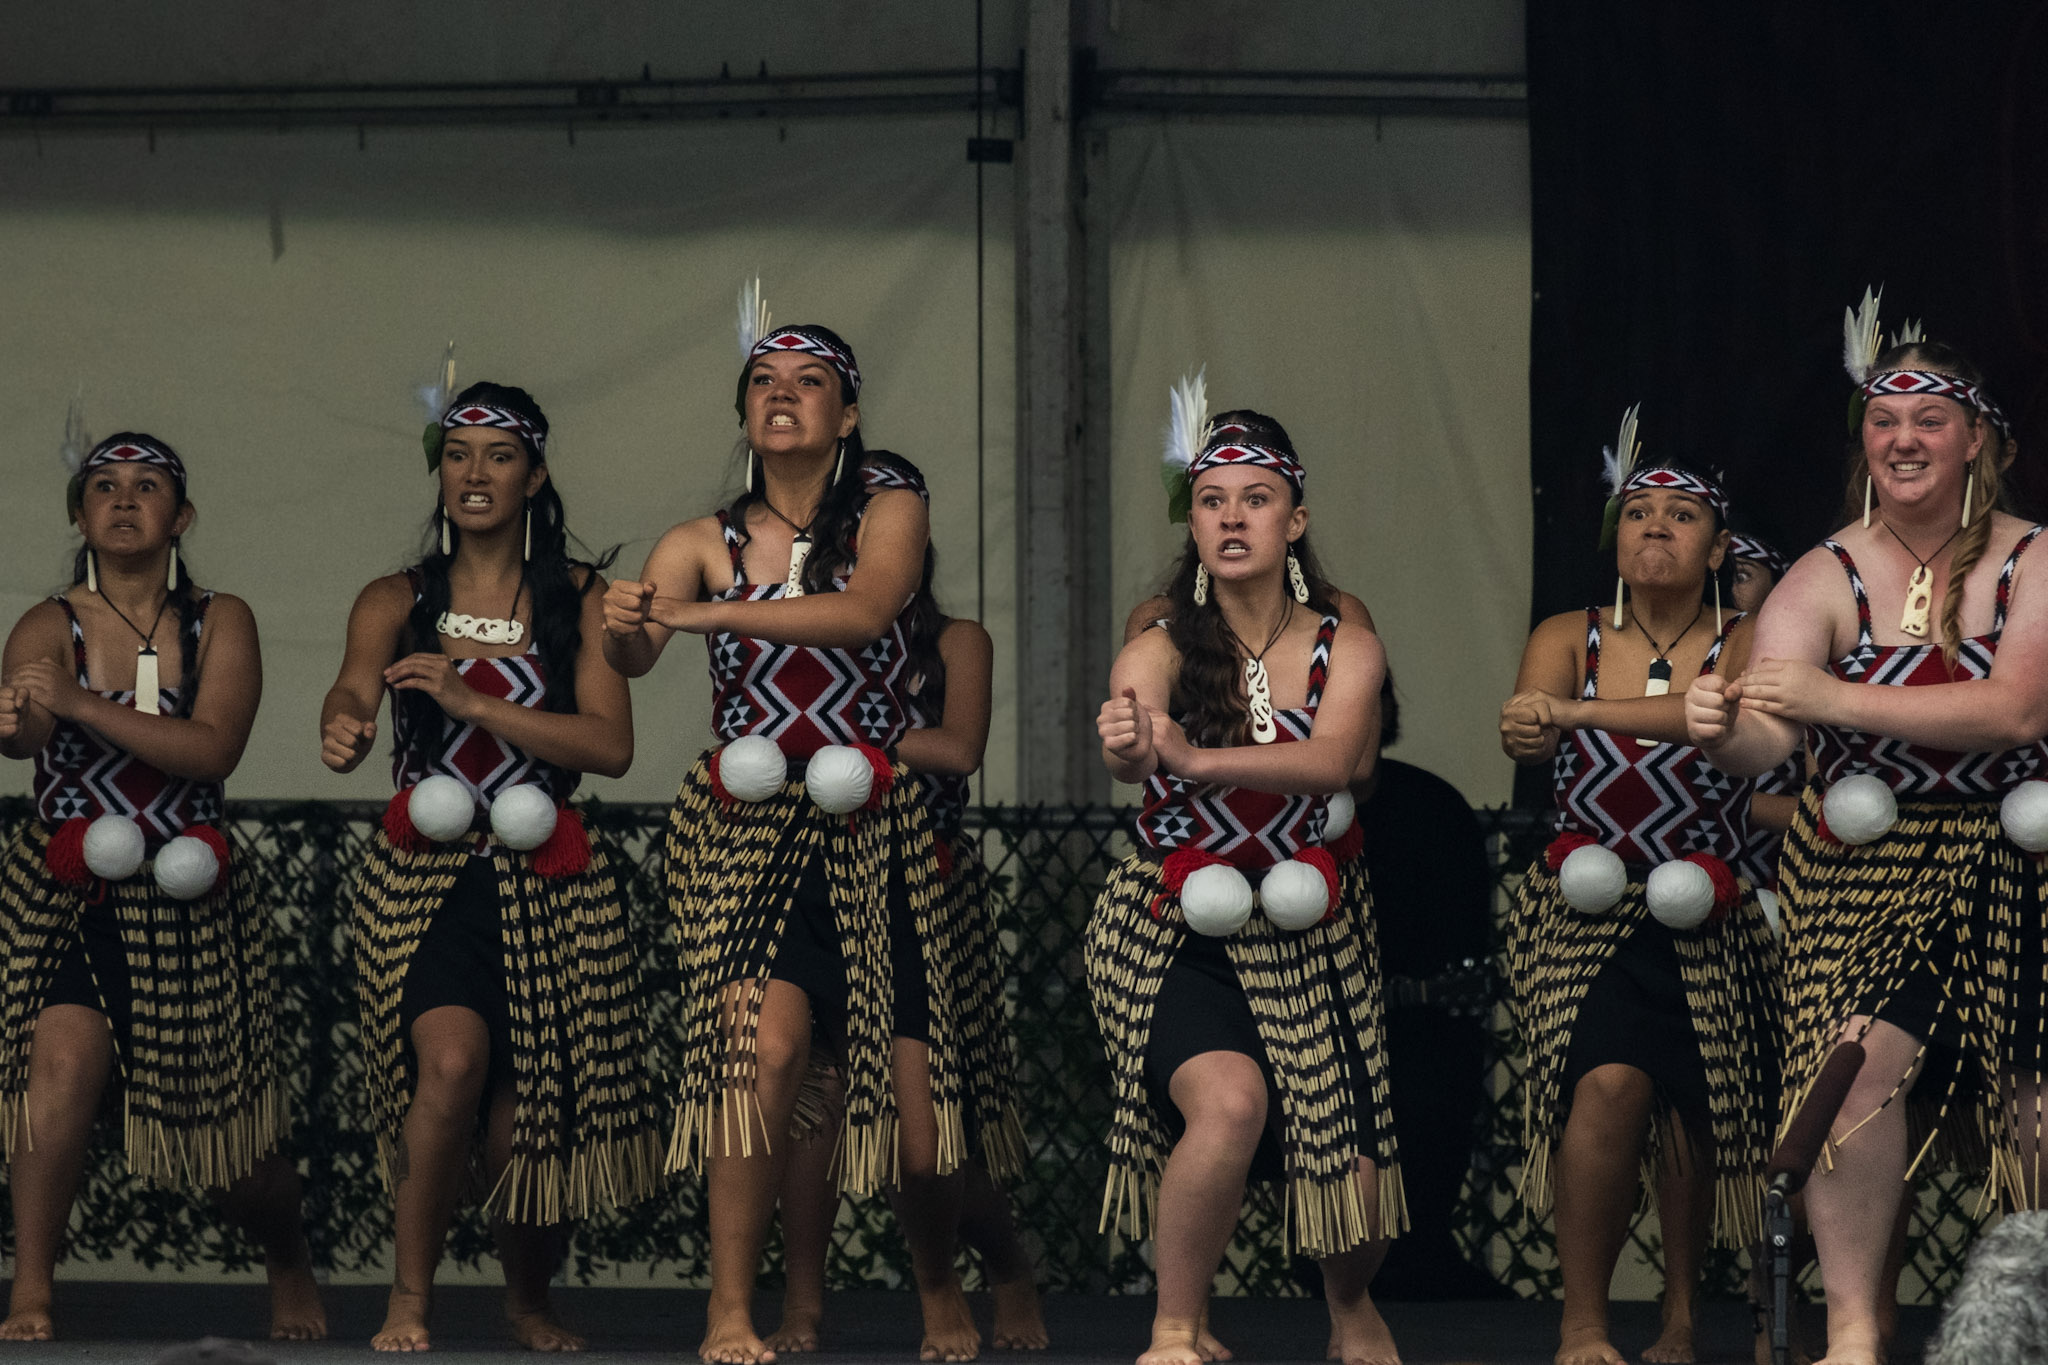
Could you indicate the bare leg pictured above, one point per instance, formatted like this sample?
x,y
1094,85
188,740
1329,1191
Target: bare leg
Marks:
x,y
809,1204
1854,1204
1685,1206
1222,1096
988,1226
265,1204
930,1210
743,1179
452,1046
1597,1164
1358,1334
70,1058
528,1252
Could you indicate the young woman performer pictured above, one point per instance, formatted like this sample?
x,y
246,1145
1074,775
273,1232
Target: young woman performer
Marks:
x,y
948,671
1236,1038
132,936
1915,655
1642,969
494,967
816,900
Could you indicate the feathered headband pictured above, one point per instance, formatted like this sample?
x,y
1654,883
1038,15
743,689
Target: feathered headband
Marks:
x,y
126,447
1761,551
756,340
1860,351
1625,474
1186,428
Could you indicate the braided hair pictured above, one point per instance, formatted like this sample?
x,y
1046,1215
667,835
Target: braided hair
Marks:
x,y
184,597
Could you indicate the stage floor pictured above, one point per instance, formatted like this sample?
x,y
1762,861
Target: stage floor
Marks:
x,y
128,1324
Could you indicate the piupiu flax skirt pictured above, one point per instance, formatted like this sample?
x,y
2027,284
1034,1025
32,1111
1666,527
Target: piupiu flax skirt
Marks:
x,y
187,988
1314,1003
1697,1010
586,1118
736,874
1941,928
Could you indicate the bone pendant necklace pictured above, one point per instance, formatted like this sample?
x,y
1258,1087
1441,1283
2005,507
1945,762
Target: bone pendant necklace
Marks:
x,y
1915,620
1659,684
799,549
1258,688
148,683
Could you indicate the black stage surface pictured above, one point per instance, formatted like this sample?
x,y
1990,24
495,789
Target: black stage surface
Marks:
x,y
121,1323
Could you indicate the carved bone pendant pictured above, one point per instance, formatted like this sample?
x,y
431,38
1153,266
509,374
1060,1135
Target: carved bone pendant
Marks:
x,y
1919,600
1259,701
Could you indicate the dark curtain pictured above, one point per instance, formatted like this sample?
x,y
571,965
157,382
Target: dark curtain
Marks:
x,y
1713,184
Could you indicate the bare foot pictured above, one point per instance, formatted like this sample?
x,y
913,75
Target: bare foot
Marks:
x,y
1588,1346
799,1329
949,1331
1673,1346
1173,1345
28,1322
296,1313
729,1339
1209,1347
1360,1334
537,1329
1019,1324
1857,1349
405,1323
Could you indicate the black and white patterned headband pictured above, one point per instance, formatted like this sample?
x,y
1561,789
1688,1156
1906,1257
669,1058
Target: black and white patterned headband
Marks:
x,y
1761,551
1677,481
487,415
135,448
807,341
1902,383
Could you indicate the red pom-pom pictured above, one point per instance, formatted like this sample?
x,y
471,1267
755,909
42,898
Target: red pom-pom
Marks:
x,y
398,826
66,854
1727,892
724,797
1349,844
1821,830
567,850
218,842
943,851
885,775
1183,863
1324,862
1563,846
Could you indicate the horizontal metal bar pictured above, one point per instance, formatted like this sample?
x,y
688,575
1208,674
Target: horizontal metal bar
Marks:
x,y
1312,93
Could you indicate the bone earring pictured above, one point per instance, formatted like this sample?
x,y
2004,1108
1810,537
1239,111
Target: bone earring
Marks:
x,y
1866,502
1969,487
1201,585
92,570
171,578
1296,580
527,553
446,548
839,465
1619,585
750,469
1716,576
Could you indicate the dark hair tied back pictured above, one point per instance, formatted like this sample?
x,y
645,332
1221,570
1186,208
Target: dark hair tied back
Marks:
x,y
184,598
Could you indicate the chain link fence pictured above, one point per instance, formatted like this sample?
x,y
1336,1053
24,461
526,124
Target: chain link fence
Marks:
x,y
1047,865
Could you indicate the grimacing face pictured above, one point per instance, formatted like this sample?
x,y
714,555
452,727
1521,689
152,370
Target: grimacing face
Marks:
x,y
131,507
1243,518
487,474
1753,583
1667,539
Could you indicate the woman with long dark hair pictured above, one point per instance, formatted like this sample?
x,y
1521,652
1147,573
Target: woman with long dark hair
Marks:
x,y
134,945
800,866
1910,651
1244,1043
1643,968
494,967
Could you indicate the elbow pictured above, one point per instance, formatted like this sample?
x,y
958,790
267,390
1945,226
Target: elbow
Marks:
x,y
615,761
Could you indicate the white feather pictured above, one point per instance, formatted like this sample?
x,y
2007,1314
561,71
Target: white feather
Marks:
x,y
436,397
1913,331
1188,415
77,441
1617,467
753,322
1859,335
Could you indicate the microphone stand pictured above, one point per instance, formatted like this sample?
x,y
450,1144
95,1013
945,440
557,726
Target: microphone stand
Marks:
x,y
1778,1241
1791,1165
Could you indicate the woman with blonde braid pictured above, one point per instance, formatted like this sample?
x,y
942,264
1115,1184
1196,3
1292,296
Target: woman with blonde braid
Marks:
x,y
1912,652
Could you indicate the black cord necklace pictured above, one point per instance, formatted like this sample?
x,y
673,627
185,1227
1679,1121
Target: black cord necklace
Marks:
x,y
147,683
1258,687
1660,666
799,546
1920,587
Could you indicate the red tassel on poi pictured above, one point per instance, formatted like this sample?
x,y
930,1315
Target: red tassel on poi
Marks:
x,y
1349,844
567,850
942,849
1563,846
1178,866
885,775
1727,891
718,791
65,855
398,825
1322,861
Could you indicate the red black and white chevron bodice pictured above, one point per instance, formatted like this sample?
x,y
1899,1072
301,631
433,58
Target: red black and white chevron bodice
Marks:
x,y
800,696
80,775
472,755
1916,769
1251,829
1647,803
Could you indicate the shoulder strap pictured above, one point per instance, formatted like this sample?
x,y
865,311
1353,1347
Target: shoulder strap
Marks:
x,y
417,581
1591,687
2005,576
1856,587
735,549
1319,661
77,638
1720,643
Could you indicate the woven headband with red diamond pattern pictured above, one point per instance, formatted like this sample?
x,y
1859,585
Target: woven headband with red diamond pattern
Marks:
x,y
803,341
484,415
130,449
1762,551
1899,382
1223,451
1678,481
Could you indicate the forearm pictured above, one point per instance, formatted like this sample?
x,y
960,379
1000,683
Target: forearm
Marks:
x,y
33,734
938,753
631,656
346,701
826,620
1772,812
580,743
1309,767
176,745
1964,717
1655,718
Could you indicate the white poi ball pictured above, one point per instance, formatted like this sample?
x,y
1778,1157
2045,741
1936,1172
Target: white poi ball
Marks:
x,y
441,808
1680,894
1859,809
187,868
1341,812
2024,814
1216,900
523,817
1774,915
751,768
1294,895
1592,879
114,847
839,778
